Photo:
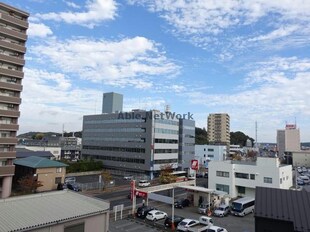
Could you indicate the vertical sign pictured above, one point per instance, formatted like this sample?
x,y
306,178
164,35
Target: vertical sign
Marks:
x,y
194,165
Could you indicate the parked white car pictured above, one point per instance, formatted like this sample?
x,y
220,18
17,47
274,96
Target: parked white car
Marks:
x,y
186,223
305,179
221,211
144,183
216,229
155,215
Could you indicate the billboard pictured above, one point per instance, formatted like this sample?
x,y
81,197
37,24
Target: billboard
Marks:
x,y
195,165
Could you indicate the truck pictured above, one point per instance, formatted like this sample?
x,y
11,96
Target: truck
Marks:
x,y
204,223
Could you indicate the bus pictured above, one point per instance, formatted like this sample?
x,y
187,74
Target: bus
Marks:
x,y
181,175
243,206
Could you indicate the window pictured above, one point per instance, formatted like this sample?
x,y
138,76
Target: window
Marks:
x,y
211,156
281,180
241,189
58,170
75,228
57,180
222,174
222,187
252,176
268,180
210,149
242,175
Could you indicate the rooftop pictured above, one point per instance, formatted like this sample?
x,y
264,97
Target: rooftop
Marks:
x,y
42,210
39,162
285,205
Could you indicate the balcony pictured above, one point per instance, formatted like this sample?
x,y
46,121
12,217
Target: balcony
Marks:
x,y
10,113
10,100
9,127
11,86
9,140
7,154
12,46
11,73
15,21
7,170
12,60
13,34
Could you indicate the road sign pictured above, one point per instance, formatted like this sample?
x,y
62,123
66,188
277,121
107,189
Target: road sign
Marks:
x,y
140,193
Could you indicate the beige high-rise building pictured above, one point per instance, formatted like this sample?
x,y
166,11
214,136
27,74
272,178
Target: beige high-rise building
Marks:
x,y
288,140
219,129
13,26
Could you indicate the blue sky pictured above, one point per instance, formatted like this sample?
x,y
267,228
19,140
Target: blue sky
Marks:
x,y
249,59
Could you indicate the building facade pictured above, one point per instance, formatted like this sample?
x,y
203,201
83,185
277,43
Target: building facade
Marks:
x,y
219,129
133,142
300,158
186,143
13,26
288,139
112,103
70,148
240,178
206,153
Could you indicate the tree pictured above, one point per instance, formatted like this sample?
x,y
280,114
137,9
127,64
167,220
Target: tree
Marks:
x,y
106,176
29,184
239,138
201,136
166,176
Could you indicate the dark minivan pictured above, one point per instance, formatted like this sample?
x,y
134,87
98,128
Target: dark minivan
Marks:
x,y
177,220
143,210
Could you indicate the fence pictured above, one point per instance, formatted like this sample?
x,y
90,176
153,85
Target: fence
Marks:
x,y
90,186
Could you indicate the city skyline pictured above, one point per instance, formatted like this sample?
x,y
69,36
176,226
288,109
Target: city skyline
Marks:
x,y
249,60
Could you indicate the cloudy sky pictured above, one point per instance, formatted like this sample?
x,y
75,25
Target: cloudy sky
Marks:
x,y
250,59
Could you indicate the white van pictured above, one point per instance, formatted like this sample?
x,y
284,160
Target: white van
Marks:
x,y
144,183
305,179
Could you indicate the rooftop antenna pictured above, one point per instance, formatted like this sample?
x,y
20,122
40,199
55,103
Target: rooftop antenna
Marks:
x,y
256,144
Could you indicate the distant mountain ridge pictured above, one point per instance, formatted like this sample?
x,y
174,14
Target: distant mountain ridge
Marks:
x,y
32,134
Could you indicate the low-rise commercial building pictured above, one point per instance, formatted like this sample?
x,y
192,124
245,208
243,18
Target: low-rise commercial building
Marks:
x,y
205,153
58,211
240,178
300,158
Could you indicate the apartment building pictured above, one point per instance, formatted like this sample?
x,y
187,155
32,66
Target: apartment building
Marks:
x,y
132,142
186,143
219,129
288,140
13,26
240,178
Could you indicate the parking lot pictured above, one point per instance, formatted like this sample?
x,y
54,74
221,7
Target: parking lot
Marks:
x,y
231,223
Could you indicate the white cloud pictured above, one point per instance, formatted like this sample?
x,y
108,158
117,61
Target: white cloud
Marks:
x,y
119,63
38,30
50,100
206,23
280,93
96,12
72,4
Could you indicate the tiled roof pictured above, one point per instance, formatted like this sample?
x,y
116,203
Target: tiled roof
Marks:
x,y
285,205
37,210
38,162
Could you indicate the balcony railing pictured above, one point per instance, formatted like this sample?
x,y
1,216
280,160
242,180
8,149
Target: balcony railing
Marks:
x,y
10,100
8,154
13,46
11,73
10,113
8,140
12,20
12,60
9,127
7,170
14,34
11,86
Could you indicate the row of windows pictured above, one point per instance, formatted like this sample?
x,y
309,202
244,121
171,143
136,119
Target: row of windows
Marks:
x,y
268,180
132,140
108,121
116,149
222,174
117,159
166,141
209,149
166,131
165,161
166,151
188,127
126,129
166,121
211,156
244,175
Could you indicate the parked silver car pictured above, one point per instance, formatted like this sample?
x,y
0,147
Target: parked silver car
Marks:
x,y
222,211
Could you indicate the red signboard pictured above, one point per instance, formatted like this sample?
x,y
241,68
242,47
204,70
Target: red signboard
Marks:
x,y
194,165
290,126
132,188
140,194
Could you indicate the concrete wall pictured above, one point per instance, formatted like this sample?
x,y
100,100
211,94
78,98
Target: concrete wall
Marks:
x,y
98,223
47,177
301,158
